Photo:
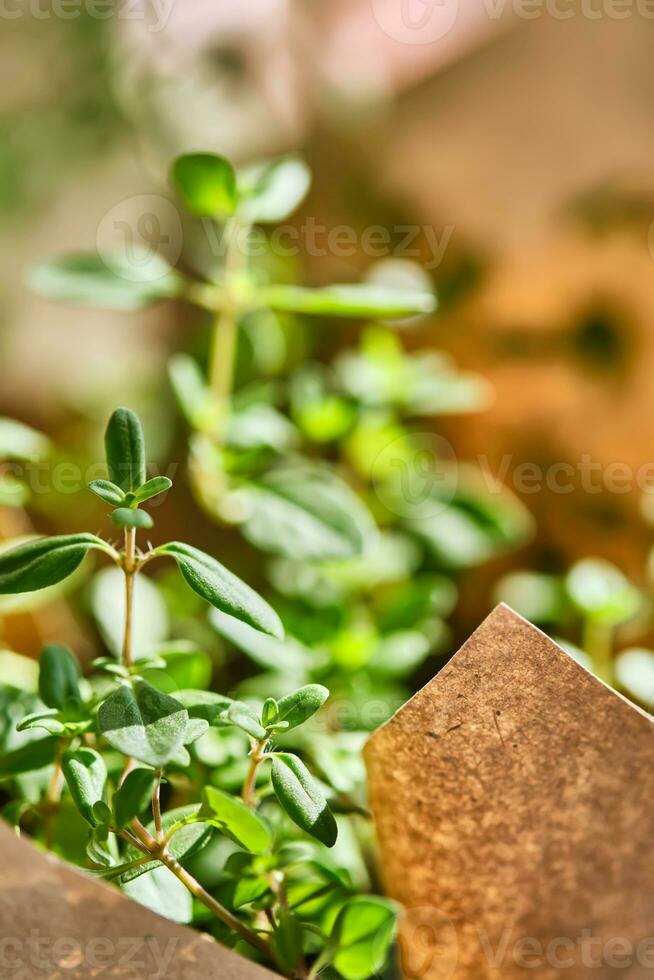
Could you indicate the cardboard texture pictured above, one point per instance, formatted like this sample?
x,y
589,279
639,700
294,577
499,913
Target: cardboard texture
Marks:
x,y
513,798
56,923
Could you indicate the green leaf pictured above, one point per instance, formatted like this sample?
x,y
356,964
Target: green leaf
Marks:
x,y
297,707
235,820
181,666
124,517
269,713
283,655
307,513
26,758
125,450
163,893
101,848
189,385
272,191
539,597
302,799
352,301
44,562
18,441
46,720
205,704
206,184
362,935
59,676
143,723
400,653
601,592
195,729
244,717
222,589
107,491
117,280
153,487
249,890
287,941
132,798
634,671
85,773
102,813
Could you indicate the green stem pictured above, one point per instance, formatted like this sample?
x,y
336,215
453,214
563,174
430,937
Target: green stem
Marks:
x,y
156,808
135,842
53,797
129,567
224,339
214,906
110,873
256,758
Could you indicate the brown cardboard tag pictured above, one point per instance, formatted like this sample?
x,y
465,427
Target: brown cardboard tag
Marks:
x,y
514,804
58,923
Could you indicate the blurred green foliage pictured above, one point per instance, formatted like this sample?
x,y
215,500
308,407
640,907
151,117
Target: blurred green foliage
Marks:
x,y
354,513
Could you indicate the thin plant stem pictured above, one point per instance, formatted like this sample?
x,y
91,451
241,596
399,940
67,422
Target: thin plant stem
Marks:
x,y
129,567
110,873
256,758
52,798
214,906
156,808
143,835
134,842
224,339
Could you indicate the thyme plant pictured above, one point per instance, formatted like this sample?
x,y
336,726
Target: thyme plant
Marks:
x,y
325,468
120,748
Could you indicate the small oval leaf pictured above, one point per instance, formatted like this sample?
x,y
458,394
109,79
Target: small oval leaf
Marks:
x,y
222,588
301,797
297,707
143,723
59,675
361,937
206,184
85,773
124,517
125,450
235,820
153,487
131,799
353,301
243,717
120,279
44,562
107,491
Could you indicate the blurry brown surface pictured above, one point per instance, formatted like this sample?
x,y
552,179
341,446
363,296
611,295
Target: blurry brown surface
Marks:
x,y
564,334
512,798
55,922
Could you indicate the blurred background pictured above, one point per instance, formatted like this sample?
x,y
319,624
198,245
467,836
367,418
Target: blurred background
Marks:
x,y
505,147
